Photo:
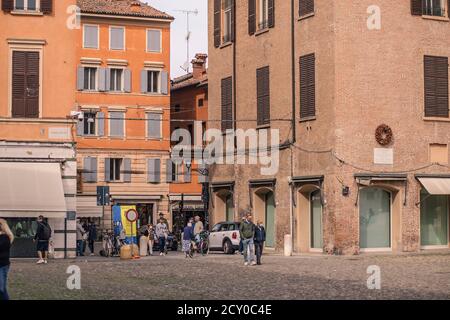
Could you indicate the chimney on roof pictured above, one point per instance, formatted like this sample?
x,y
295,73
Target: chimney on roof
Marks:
x,y
199,65
135,5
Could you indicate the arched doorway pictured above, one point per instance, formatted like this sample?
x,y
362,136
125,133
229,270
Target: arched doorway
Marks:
x,y
264,211
375,218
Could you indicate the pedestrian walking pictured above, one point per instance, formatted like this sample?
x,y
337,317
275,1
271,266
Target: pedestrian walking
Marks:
x,y
198,228
6,239
42,237
92,237
80,234
260,238
247,233
151,235
85,236
162,232
188,235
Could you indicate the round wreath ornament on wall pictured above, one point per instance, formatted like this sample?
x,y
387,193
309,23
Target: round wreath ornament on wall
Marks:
x,y
384,135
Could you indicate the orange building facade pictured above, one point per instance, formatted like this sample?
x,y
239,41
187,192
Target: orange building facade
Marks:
x,y
189,111
123,100
37,151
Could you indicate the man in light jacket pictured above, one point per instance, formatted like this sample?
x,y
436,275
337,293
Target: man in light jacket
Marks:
x,y
162,232
247,232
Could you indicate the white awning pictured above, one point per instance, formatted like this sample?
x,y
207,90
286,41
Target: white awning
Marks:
x,y
31,189
87,207
436,186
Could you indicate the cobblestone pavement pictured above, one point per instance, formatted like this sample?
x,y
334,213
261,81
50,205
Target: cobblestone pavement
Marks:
x,y
218,276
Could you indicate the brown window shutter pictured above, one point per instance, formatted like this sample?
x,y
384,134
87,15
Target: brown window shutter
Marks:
x,y
32,90
416,7
271,14
47,6
227,103
233,21
18,84
217,22
436,86
251,17
7,5
305,7
263,95
307,86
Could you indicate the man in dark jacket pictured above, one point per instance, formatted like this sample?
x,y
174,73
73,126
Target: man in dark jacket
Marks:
x,y
247,233
43,235
92,236
260,238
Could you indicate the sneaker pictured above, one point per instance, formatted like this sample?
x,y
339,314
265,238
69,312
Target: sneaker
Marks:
x,y
45,261
161,254
40,261
253,263
92,254
246,264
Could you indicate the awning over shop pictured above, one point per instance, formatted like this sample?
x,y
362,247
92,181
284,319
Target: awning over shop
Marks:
x,y
87,207
436,185
31,189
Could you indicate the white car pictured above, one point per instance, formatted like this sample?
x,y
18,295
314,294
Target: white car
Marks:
x,y
225,237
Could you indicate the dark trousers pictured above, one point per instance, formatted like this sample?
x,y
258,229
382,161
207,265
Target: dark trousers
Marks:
x,y
162,244
80,248
91,246
259,250
3,283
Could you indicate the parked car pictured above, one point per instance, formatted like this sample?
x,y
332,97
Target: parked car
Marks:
x,y
225,237
171,243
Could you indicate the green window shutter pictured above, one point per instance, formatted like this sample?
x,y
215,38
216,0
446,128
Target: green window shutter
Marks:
x,y
102,78
126,170
100,124
164,82
154,125
144,81
127,80
80,78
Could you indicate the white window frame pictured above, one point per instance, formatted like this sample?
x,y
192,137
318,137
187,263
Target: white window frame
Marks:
x,y
98,36
95,124
96,77
25,6
159,80
263,5
444,6
160,113
124,38
122,81
160,40
124,124
120,169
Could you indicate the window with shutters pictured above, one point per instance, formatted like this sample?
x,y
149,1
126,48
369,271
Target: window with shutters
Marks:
x,y
307,87
227,20
263,96
25,84
89,123
153,81
26,5
91,36
117,38
436,86
154,40
117,124
115,168
263,17
116,80
90,79
434,8
201,102
305,8
227,103
154,125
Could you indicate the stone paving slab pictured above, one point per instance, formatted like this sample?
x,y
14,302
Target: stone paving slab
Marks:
x,y
218,276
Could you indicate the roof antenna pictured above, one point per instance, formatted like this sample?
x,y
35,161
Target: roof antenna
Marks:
x,y
186,65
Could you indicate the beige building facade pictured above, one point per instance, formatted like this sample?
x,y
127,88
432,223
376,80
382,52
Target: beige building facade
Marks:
x,y
359,93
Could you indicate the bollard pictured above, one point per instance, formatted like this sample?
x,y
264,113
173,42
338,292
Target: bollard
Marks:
x,y
287,245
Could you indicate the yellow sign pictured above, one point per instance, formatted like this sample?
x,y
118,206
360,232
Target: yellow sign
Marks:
x,y
127,225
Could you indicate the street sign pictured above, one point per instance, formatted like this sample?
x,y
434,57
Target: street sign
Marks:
x,y
103,196
131,215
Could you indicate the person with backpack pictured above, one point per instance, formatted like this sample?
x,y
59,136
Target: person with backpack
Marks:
x,y
42,237
247,233
260,238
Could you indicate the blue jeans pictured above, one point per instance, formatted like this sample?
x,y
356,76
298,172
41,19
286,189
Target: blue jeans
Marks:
x,y
249,250
80,248
162,244
4,283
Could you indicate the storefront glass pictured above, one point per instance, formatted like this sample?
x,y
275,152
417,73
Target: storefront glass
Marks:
x,y
433,220
24,230
375,218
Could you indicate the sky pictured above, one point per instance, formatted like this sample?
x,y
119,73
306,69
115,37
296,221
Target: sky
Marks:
x,y
198,27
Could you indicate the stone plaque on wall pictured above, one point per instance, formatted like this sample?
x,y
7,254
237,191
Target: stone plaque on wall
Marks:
x,y
383,156
59,133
